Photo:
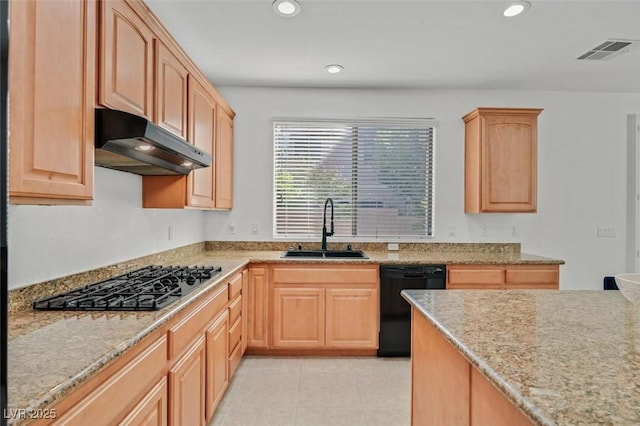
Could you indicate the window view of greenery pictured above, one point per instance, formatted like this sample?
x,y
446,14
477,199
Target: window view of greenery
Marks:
x,y
379,175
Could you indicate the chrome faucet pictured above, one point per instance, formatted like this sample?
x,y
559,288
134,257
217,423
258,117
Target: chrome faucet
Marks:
x,y
326,234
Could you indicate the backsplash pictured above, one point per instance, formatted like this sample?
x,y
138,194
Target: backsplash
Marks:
x,y
504,248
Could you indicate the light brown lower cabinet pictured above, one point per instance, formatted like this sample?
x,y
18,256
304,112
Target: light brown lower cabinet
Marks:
x,y
152,410
116,397
351,318
176,376
447,390
327,307
187,387
298,317
245,314
503,277
258,307
217,372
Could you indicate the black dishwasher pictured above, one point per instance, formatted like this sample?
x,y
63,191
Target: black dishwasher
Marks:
x,y
395,312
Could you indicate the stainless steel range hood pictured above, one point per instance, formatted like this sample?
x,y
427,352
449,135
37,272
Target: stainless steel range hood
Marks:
x,y
134,144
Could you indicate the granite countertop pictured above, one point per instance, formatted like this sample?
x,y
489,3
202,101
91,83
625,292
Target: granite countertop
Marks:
x,y
562,357
404,257
50,353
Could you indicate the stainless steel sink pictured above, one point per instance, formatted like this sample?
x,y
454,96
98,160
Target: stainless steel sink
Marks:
x,y
326,254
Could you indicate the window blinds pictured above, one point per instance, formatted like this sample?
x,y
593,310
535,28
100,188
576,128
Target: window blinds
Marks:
x,y
379,174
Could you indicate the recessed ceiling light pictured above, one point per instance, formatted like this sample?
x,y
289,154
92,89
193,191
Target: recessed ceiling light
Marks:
x,y
334,68
187,164
143,148
516,8
286,7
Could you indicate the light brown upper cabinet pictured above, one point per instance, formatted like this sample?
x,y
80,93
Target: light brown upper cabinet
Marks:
x,y
202,130
126,66
52,119
171,92
224,161
210,128
197,189
501,160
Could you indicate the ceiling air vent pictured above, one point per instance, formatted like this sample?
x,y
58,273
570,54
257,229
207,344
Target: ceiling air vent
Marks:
x,y
609,49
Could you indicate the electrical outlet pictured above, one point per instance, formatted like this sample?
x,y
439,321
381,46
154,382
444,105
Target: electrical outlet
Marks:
x,y
232,229
452,230
393,247
515,231
255,228
484,231
606,232
170,233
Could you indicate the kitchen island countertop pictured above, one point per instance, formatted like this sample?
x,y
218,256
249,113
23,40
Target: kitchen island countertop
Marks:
x,y
561,357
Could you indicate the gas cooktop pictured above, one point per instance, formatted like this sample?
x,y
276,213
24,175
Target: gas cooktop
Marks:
x,y
146,289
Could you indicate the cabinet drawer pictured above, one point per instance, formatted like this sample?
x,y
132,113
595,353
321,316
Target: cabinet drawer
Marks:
x,y
234,309
181,334
532,275
235,286
234,360
475,276
332,275
234,334
104,404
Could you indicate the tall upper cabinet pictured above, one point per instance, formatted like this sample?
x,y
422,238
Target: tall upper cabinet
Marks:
x,y
52,96
171,92
501,160
202,131
126,65
224,161
210,128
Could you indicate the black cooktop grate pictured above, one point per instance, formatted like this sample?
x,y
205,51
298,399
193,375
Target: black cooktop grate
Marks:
x,y
146,289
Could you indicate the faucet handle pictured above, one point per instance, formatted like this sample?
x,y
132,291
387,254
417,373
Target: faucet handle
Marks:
x,y
349,247
299,246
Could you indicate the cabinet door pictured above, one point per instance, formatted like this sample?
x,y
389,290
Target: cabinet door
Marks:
x,y
52,89
490,407
298,317
171,92
126,61
258,301
217,352
224,161
440,389
244,314
509,163
152,410
202,118
187,387
352,318
109,401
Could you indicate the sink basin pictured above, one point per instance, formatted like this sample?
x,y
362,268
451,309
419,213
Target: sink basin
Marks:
x,y
351,254
325,254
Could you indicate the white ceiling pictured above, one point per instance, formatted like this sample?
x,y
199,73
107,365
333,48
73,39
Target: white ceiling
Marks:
x,y
408,44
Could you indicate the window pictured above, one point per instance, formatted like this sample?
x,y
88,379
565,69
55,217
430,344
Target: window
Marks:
x,y
379,174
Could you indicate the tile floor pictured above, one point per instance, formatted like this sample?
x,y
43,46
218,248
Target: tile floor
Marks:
x,y
309,391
